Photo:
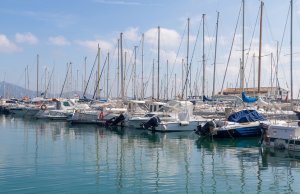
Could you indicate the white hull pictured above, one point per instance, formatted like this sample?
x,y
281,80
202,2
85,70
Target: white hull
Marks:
x,y
176,126
283,137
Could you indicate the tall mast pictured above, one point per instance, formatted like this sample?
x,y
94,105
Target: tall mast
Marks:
x,y
143,90
187,54
242,70
260,41
175,85
107,84
158,55
98,76
118,69
85,82
167,80
122,70
215,57
271,73
125,70
37,75
277,59
134,79
291,47
203,61
153,79
182,73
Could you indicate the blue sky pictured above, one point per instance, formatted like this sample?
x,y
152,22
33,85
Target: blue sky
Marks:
x,y
68,31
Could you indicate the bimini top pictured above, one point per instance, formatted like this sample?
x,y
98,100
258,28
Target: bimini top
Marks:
x,y
248,99
246,116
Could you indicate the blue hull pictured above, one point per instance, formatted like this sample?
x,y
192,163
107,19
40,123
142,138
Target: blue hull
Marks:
x,y
255,131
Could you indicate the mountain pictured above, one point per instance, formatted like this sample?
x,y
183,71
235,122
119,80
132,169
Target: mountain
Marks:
x,y
9,90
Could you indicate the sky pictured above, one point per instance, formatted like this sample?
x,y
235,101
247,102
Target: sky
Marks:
x,y
65,31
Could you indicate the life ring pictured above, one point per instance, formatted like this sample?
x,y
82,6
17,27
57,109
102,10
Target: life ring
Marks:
x,y
44,107
101,115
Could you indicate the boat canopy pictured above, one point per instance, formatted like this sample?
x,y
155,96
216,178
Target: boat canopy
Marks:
x,y
244,116
206,99
248,99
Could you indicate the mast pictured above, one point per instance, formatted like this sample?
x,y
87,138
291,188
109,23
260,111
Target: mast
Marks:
x,y
167,80
134,80
118,69
291,48
85,72
62,89
153,79
203,61
260,41
98,76
107,93
37,75
143,90
158,55
271,73
277,60
187,54
122,70
175,85
242,70
215,57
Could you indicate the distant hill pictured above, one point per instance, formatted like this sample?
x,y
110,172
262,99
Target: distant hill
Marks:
x,y
9,90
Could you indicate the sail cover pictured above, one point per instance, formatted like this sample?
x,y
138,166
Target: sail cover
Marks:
x,y
246,116
248,99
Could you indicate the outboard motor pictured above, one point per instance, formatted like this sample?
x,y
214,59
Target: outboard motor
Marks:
x,y
206,129
152,122
298,115
118,120
115,120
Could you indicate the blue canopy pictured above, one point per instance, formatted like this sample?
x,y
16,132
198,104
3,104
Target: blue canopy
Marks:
x,y
206,99
248,99
246,116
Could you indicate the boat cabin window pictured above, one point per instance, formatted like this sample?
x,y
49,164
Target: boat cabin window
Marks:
x,y
66,103
149,115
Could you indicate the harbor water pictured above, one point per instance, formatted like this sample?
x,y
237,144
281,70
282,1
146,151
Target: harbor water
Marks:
x,y
40,156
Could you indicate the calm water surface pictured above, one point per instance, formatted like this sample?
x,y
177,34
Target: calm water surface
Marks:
x,y
55,157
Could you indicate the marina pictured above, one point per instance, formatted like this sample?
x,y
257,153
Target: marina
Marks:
x,y
55,157
139,96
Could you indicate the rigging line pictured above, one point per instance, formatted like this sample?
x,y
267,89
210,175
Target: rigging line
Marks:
x,y
98,81
269,24
247,54
68,69
48,85
90,76
189,64
178,52
279,53
192,56
112,85
231,49
147,82
130,77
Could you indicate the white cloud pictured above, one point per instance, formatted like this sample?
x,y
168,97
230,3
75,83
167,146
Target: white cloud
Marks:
x,y
6,46
58,40
93,44
26,38
132,34
168,37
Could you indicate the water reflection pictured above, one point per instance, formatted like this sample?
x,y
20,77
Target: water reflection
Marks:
x,y
55,157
